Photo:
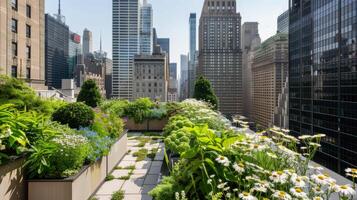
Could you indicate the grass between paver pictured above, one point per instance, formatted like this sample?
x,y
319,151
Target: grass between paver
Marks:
x,y
143,141
140,155
118,195
109,177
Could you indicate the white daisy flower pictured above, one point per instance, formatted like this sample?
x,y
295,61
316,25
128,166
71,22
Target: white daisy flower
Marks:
x,y
351,170
298,192
247,196
297,180
346,190
320,179
281,195
317,198
239,167
278,177
223,160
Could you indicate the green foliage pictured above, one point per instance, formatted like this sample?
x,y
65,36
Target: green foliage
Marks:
x,y
59,156
118,195
175,123
109,177
107,125
90,94
139,110
75,115
115,106
203,91
166,189
16,92
140,155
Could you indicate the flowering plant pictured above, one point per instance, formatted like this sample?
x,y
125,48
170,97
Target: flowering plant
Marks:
x,y
225,164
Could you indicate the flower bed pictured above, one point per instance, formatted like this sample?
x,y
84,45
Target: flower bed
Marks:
x,y
82,185
217,162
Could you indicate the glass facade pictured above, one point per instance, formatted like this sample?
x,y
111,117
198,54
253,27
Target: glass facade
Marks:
x,y
126,32
146,29
56,51
323,77
192,54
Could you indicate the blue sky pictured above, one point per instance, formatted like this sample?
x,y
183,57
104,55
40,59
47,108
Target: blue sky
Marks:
x,y
170,18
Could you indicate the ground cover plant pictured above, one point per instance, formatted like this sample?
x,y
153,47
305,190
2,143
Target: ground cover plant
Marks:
x,y
217,162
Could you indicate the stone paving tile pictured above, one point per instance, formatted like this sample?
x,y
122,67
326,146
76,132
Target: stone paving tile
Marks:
x,y
120,172
137,197
103,197
159,158
133,186
143,164
140,171
151,179
109,187
156,164
126,163
147,188
155,170
137,176
129,158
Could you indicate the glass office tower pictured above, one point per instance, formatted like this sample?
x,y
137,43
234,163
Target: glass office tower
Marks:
x,y
126,32
146,28
323,77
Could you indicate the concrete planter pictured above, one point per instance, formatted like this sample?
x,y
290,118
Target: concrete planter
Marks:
x,y
147,125
12,184
84,184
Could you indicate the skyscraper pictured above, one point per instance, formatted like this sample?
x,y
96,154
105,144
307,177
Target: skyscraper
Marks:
x,y
74,53
269,72
184,77
21,41
126,36
250,40
322,77
146,29
56,51
192,54
220,56
165,46
87,42
283,22
173,71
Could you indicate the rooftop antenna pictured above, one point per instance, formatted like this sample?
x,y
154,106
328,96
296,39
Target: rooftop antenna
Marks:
x,y
60,18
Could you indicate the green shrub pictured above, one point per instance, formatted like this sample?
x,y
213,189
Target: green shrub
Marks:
x,y
116,107
165,190
139,110
90,94
14,91
75,115
108,125
175,123
118,195
57,157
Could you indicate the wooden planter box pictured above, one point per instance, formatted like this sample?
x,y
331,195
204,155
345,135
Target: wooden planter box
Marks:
x,y
12,184
147,125
84,184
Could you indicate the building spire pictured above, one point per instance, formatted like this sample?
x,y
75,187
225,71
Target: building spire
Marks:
x,y
59,9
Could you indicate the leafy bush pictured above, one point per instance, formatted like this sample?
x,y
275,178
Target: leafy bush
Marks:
x,y
16,92
75,115
139,110
60,156
90,94
107,125
115,106
175,123
165,190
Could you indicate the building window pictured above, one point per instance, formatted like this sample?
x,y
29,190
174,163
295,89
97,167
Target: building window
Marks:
x,y
28,31
14,25
28,52
28,11
14,71
14,49
14,4
28,73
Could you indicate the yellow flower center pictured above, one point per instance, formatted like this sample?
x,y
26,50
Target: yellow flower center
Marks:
x,y
245,194
280,173
281,194
321,177
298,190
222,158
344,187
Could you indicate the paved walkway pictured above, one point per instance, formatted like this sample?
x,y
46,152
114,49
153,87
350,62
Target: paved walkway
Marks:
x,y
138,172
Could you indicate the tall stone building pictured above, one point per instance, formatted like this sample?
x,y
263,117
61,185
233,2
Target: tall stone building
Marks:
x,y
22,41
126,44
220,55
323,77
184,77
269,69
250,40
151,76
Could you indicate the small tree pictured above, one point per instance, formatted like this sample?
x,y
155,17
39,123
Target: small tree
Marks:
x,y
90,94
203,91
